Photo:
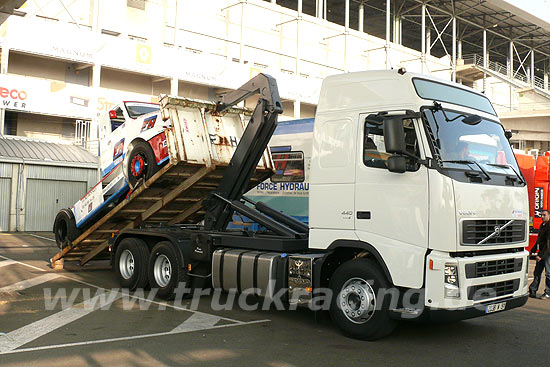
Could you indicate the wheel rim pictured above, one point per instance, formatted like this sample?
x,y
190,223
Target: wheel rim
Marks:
x,y
126,264
162,270
357,300
137,166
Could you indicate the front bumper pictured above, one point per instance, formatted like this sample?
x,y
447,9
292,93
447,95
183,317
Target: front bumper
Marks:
x,y
508,283
443,315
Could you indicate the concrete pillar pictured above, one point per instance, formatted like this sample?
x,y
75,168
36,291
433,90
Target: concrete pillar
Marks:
x,y
453,77
346,20
241,41
511,59
485,61
4,59
545,75
532,74
388,19
96,75
459,49
297,108
174,86
423,39
388,14
346,35
298,37
361,16
3,70
428,41
395,35
96,16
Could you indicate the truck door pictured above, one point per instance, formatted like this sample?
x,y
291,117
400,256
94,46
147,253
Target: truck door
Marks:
x,y
392,208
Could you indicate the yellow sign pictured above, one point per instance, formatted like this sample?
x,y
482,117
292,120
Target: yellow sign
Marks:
x,y
143,54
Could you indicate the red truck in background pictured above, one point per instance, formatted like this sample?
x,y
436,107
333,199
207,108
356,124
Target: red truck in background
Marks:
x,y
537,175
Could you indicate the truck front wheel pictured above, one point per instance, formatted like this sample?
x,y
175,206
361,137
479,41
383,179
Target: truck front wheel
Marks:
x,y
166,271
131,263
356,307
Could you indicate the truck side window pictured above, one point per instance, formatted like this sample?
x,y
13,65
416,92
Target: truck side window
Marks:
x,y
289,167
374,150
119,120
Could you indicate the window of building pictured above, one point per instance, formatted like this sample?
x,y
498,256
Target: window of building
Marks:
x,y
10,123
374,149
289,167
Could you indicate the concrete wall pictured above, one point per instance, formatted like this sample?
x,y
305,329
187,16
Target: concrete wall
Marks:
x,y
43,127
81,178
39,67
130,82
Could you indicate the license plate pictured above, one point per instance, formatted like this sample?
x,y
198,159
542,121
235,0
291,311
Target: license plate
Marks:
x,y
495,307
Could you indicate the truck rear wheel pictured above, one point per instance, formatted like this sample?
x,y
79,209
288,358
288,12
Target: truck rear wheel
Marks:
x,y
131,263
141,163
165,270
356,308
64,228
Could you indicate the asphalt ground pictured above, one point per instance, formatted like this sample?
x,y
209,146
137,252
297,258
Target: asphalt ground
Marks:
x,y
110,330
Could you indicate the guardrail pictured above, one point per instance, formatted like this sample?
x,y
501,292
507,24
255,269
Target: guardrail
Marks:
x,y
475,59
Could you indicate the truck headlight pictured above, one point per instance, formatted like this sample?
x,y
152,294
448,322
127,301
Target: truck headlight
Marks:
x,y
452,289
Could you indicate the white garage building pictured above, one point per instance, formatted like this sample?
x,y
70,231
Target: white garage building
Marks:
x,y
39,178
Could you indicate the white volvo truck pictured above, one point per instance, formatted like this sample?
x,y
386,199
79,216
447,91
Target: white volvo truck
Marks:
x,y
408,220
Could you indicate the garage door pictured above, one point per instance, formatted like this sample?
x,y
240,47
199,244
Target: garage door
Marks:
x,y
45,198
5,194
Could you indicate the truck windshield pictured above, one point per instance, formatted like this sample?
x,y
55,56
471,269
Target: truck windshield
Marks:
x,y
136,109
483,145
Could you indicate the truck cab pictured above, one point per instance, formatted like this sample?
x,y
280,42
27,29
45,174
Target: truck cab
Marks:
x,y
418,172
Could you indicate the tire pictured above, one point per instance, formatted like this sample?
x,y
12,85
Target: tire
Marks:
x,y
165,270
352,312
141,163
131,263
64,228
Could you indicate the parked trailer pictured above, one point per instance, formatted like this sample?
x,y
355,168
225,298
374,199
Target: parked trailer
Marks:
x,y
401,227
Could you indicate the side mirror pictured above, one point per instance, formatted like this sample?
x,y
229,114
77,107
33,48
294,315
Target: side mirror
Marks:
x,y
397,164
394,136
472,120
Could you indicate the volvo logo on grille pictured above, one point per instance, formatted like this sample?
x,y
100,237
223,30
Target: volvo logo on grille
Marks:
x,y
497,231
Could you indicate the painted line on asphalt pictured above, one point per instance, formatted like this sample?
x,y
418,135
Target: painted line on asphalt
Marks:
x,y
48,347
24,284
37,236
26,334
21,263
7,262
197,322
164,304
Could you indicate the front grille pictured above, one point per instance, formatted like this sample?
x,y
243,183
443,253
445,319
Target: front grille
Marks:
x,y
475,231
493,290
494,267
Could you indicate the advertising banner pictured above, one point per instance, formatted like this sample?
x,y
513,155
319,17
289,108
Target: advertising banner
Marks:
x,y
50,97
